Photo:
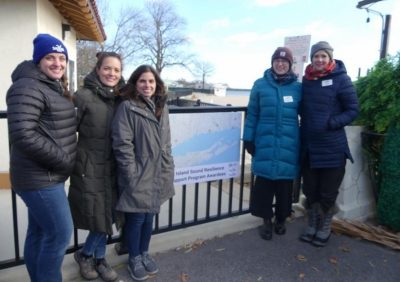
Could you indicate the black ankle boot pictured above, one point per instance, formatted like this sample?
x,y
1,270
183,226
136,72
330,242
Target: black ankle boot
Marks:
x,y
266,229
280,227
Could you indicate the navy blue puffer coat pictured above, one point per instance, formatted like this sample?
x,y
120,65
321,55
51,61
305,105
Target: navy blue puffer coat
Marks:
x,y
329,104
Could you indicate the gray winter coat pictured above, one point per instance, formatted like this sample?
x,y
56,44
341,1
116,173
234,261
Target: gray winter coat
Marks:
x,y
92,194
42,130
142,147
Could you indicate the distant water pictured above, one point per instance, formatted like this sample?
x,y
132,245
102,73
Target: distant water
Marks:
x,y
237,92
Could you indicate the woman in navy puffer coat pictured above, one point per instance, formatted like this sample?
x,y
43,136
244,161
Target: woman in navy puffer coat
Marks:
x,y
329,104
271,136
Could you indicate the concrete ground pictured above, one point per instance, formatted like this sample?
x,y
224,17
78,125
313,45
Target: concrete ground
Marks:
x,y
243,256
204,254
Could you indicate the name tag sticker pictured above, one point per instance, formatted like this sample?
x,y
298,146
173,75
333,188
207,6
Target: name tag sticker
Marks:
x,y
287,99
327,82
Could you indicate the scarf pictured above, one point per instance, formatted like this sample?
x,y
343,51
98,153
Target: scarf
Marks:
x,y
283,78
312,74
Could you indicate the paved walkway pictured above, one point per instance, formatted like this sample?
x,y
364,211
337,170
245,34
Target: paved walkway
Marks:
x,y
244,257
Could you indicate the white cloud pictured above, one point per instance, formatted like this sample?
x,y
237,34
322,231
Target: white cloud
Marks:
x,y
251,38
271,3
218,23
246,21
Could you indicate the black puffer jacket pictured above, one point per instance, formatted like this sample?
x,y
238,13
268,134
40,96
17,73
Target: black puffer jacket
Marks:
x,y
42,126
92,194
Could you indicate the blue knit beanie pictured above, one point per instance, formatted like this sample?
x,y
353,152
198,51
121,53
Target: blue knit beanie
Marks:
x,y
44,44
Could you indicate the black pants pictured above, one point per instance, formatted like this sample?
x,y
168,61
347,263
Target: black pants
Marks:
x,y
321,185
262,196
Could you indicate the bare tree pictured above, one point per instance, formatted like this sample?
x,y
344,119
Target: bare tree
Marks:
x,y
153,36
86,58
160,35
87,50
202,69
123,40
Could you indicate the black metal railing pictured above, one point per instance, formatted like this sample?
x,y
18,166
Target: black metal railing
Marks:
x,y
185,220
197,188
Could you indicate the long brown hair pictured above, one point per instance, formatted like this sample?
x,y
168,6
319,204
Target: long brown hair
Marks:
x,y
65,85
160,95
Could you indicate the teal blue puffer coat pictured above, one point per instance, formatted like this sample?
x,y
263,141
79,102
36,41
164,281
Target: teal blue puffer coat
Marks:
x,y
272,125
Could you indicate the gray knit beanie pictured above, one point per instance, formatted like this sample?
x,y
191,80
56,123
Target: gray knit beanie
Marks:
x,y
322,45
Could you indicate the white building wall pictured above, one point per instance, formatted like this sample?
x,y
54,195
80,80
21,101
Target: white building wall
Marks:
x,y
18,27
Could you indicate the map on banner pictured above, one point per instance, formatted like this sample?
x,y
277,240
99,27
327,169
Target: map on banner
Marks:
x,y
205,146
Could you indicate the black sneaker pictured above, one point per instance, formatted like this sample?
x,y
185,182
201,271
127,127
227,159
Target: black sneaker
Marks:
x,y
265,230
280,228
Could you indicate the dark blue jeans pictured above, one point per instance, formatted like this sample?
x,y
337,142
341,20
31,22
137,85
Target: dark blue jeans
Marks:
x,y
95,245
49,232
138,229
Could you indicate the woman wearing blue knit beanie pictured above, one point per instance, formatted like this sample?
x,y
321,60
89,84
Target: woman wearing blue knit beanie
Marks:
x,y
42,134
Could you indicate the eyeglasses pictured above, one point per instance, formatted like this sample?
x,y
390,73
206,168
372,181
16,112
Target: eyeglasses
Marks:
x,y
281,61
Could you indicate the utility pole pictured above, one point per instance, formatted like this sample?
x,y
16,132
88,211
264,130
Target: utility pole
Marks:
x,y
385,25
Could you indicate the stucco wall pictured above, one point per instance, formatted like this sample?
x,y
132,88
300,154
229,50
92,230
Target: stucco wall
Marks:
x,y
18,26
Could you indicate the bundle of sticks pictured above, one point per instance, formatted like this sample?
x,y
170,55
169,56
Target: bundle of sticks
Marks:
x,y
366,231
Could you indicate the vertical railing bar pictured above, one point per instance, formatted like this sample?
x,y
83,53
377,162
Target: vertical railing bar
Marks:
x,y
183,219
196,201
208,200
242,167
170,211
230,195
15,225
75,238
156,222
219,197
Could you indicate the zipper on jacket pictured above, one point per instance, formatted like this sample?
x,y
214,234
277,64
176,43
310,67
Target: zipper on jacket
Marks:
x,y
49,173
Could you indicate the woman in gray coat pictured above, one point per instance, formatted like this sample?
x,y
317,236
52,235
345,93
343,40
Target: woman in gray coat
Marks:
x,y
92,194
142,148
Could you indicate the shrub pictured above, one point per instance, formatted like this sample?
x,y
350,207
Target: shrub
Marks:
x,y
379,95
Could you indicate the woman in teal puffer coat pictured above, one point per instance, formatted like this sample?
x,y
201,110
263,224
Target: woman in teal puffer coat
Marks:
x,y
271,136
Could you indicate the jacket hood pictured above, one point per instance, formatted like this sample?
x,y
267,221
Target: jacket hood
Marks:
x,y
93,83
27,69
340,68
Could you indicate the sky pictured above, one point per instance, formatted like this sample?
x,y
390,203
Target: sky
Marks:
x,y
238,37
